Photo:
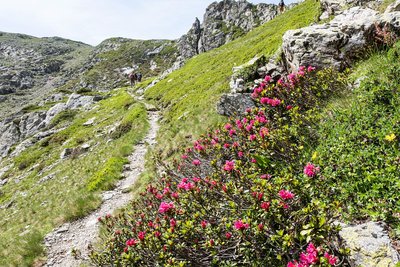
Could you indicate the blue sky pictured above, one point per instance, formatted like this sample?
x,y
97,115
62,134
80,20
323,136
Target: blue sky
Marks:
x,y
92,21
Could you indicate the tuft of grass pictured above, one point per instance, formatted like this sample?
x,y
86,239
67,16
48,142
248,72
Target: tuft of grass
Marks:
x,y
105,178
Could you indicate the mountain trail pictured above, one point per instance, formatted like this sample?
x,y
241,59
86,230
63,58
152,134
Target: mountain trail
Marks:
x,y
77,236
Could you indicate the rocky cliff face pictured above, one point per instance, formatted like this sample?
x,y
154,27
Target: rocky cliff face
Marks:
x,y
223,22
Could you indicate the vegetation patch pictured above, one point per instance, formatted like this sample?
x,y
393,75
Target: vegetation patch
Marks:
x,y
236,197
44,191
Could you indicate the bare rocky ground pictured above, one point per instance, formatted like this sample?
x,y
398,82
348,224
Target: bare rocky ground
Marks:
x,y
78,236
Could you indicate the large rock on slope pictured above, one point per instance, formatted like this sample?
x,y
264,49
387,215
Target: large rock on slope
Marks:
x,y
369,245
337,43
336,7
223,22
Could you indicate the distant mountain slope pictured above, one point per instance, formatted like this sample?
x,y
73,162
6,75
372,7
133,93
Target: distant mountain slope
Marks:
x,y
31,67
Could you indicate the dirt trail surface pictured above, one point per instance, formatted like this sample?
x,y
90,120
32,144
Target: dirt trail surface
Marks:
x,y
79,234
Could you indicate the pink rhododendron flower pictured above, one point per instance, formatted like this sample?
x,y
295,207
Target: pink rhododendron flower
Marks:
x,y
226,145
261,119
203,224
266,176
252,137
260,227
196,179
240,154
331,259
265,205
264,100
235,144
311,248
239,225
196,162
184,184
229,166
253,160
289,107
228,126
301,73
172,222
309,258
131,242
239,124
232,132
302,68
267,78
310,68
175,195
310,170
157,234
165,207
228,235
286,194
141,235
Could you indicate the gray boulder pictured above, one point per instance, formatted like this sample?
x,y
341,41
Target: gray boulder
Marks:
x,y
234,104
369,245
31,123
336,7
9,135
79,101
337,43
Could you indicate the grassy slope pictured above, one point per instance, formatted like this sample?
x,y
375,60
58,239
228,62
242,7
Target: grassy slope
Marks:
x,y
357,156
39,206
190,94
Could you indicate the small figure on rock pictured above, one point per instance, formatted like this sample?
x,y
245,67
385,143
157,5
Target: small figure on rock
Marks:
x,y
132,78
281,6
139,77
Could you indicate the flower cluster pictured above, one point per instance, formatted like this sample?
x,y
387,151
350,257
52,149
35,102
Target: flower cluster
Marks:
x,y
231,197
314,257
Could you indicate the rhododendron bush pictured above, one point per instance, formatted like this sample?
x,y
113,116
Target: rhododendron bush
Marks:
x,y
241,195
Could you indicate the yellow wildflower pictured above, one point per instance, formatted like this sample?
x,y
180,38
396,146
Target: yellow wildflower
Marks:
x,y
390,137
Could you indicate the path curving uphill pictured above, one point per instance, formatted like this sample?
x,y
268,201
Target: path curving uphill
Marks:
x,y
79,234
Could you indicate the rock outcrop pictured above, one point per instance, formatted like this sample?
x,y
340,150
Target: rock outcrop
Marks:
x,y
223,22
369,245
336,7
339,42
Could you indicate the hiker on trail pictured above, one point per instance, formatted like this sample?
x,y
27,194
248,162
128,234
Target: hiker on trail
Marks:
x,y
132,78
139,77
281,6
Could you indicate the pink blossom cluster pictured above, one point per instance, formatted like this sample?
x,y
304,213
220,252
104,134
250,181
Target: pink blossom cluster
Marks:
x,y
240,225
311,257
185,184
165,207
310,170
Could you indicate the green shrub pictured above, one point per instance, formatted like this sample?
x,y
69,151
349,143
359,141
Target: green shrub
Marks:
x,y
358,147
237,196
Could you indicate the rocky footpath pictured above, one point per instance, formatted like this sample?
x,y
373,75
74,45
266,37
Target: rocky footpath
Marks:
x,y
70,244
